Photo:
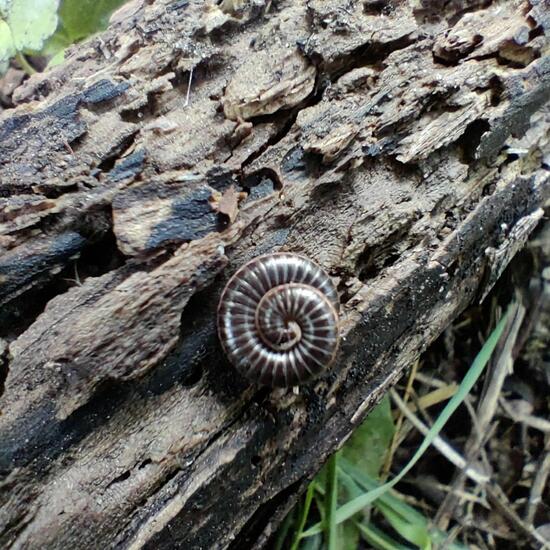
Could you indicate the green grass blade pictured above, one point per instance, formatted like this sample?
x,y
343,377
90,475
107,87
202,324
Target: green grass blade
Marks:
x,y
331,502
303,516
407,521
352,477
349,532
378,539
318,496
347,481
348,536
390,499
283,530
440,539
24,64
312,543
481,360
414,532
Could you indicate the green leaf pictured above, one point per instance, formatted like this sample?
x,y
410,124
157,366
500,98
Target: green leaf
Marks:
x,y
57,58
7,48
378,539
4,5
78,20
57,43
81,18
368,445
348,536
31,22
415,532
352,507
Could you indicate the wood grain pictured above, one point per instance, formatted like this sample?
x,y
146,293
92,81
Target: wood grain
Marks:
x,y
400,145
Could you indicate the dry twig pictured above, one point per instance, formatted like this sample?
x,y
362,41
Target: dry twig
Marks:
x,y
539,483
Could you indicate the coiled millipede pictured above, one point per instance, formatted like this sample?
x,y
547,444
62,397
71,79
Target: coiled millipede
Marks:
x,y
278,320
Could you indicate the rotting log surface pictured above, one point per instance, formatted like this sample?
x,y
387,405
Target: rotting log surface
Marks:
x,y
401,145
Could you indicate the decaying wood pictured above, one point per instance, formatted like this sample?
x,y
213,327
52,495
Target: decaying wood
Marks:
x,y
401,145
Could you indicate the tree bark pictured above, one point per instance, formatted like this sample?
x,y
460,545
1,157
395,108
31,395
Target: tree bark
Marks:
x,y
402,145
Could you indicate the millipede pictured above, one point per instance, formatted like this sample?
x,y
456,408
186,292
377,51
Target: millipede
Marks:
x,y
278,320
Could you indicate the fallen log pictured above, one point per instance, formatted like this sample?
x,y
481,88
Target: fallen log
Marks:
x,y
403,146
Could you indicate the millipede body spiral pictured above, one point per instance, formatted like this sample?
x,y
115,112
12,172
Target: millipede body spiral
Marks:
x,y
278,320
